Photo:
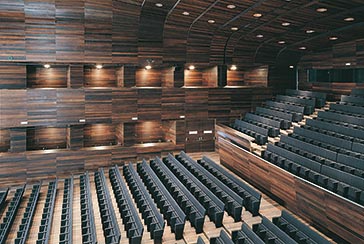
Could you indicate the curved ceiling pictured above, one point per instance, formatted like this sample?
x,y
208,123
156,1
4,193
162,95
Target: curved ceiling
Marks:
x,y
216,31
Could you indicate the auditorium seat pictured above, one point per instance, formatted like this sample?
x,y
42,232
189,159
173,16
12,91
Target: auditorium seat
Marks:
x,y
174,215
194,211
245,235
233,202
354,100
296,110
24,227
223,238
132,223
357,92
260,134
308,103
47,216
10,214
297,230
270,233
66,228
272,125
3,195
153,219
319,96
347,108
109,222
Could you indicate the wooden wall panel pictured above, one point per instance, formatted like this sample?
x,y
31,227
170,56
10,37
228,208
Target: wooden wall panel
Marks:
x,y
173,103
12,31
69,162
40,77
196,103
149,132
70,106
18,139
209,77
149,104
43,166
167,77
4,140
219,104
43,138
12,76
129,76
235,78
75,76
130,136
40,29
193,78
105,77
257,77
124,105
13,107
70,30
99,135
98,108
98,29
148,78
75,137
12,168
41,106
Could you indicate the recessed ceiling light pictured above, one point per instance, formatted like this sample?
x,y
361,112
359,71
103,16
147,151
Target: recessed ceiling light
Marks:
x,y
234,28
148,67
211,21
321,10
310,31
98,66
257,15
231,6
159,5
259,36
349,19
191,67
186,13
333,38
233,67
286,24
47,66
347,64
302,48
291,66
281,42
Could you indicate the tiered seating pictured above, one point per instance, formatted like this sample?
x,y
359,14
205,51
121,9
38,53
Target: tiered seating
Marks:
x,y
108,218
319,96
132,223
251,197
10,214
65,233
47,216
270,233
354,100
284,118
297,230
245,235
296,110
308,102
353,109
207,198
273,126
152,218
194,211
174,215
358,92
3,195
260,134
354,119
223,238
87,213
233,202
26,221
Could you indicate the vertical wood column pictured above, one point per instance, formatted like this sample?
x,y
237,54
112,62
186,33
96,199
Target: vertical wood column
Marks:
x,y
179,76
221,75
129,77
119,134
75,136
75,76
18,139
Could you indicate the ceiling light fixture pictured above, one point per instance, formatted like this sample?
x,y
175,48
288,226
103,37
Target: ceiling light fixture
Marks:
x,y
234,28
148,67
302,48
347,64
231,6
47,66
349,19
257,15
186,13
211,21
159,5
291,67
233,67
286,24
98,66
259,36
321,10
333,38
310,31
281,42
191,67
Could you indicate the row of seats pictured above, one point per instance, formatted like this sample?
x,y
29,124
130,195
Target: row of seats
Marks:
x,y
47,216
270,233
298,231
273,126
214,206
260,134
223,238
309,103
88,229
132,223
319,96
28,215
233,202
296,110
194,211
174,215
10,214
352,99
245,235
252,198
353,109
284,117
350,119
152,218
109,222
3,195
65,233
357,92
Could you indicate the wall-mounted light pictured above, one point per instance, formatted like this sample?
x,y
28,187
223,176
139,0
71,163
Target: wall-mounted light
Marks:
x,y
47,66
148,67
182,117
347,64
134,118
233,67
24,122
281,42
191,67
82,120
99,66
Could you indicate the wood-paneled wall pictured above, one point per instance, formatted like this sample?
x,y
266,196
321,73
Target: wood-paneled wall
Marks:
x,y
40,138
40,77
4,140
99,135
